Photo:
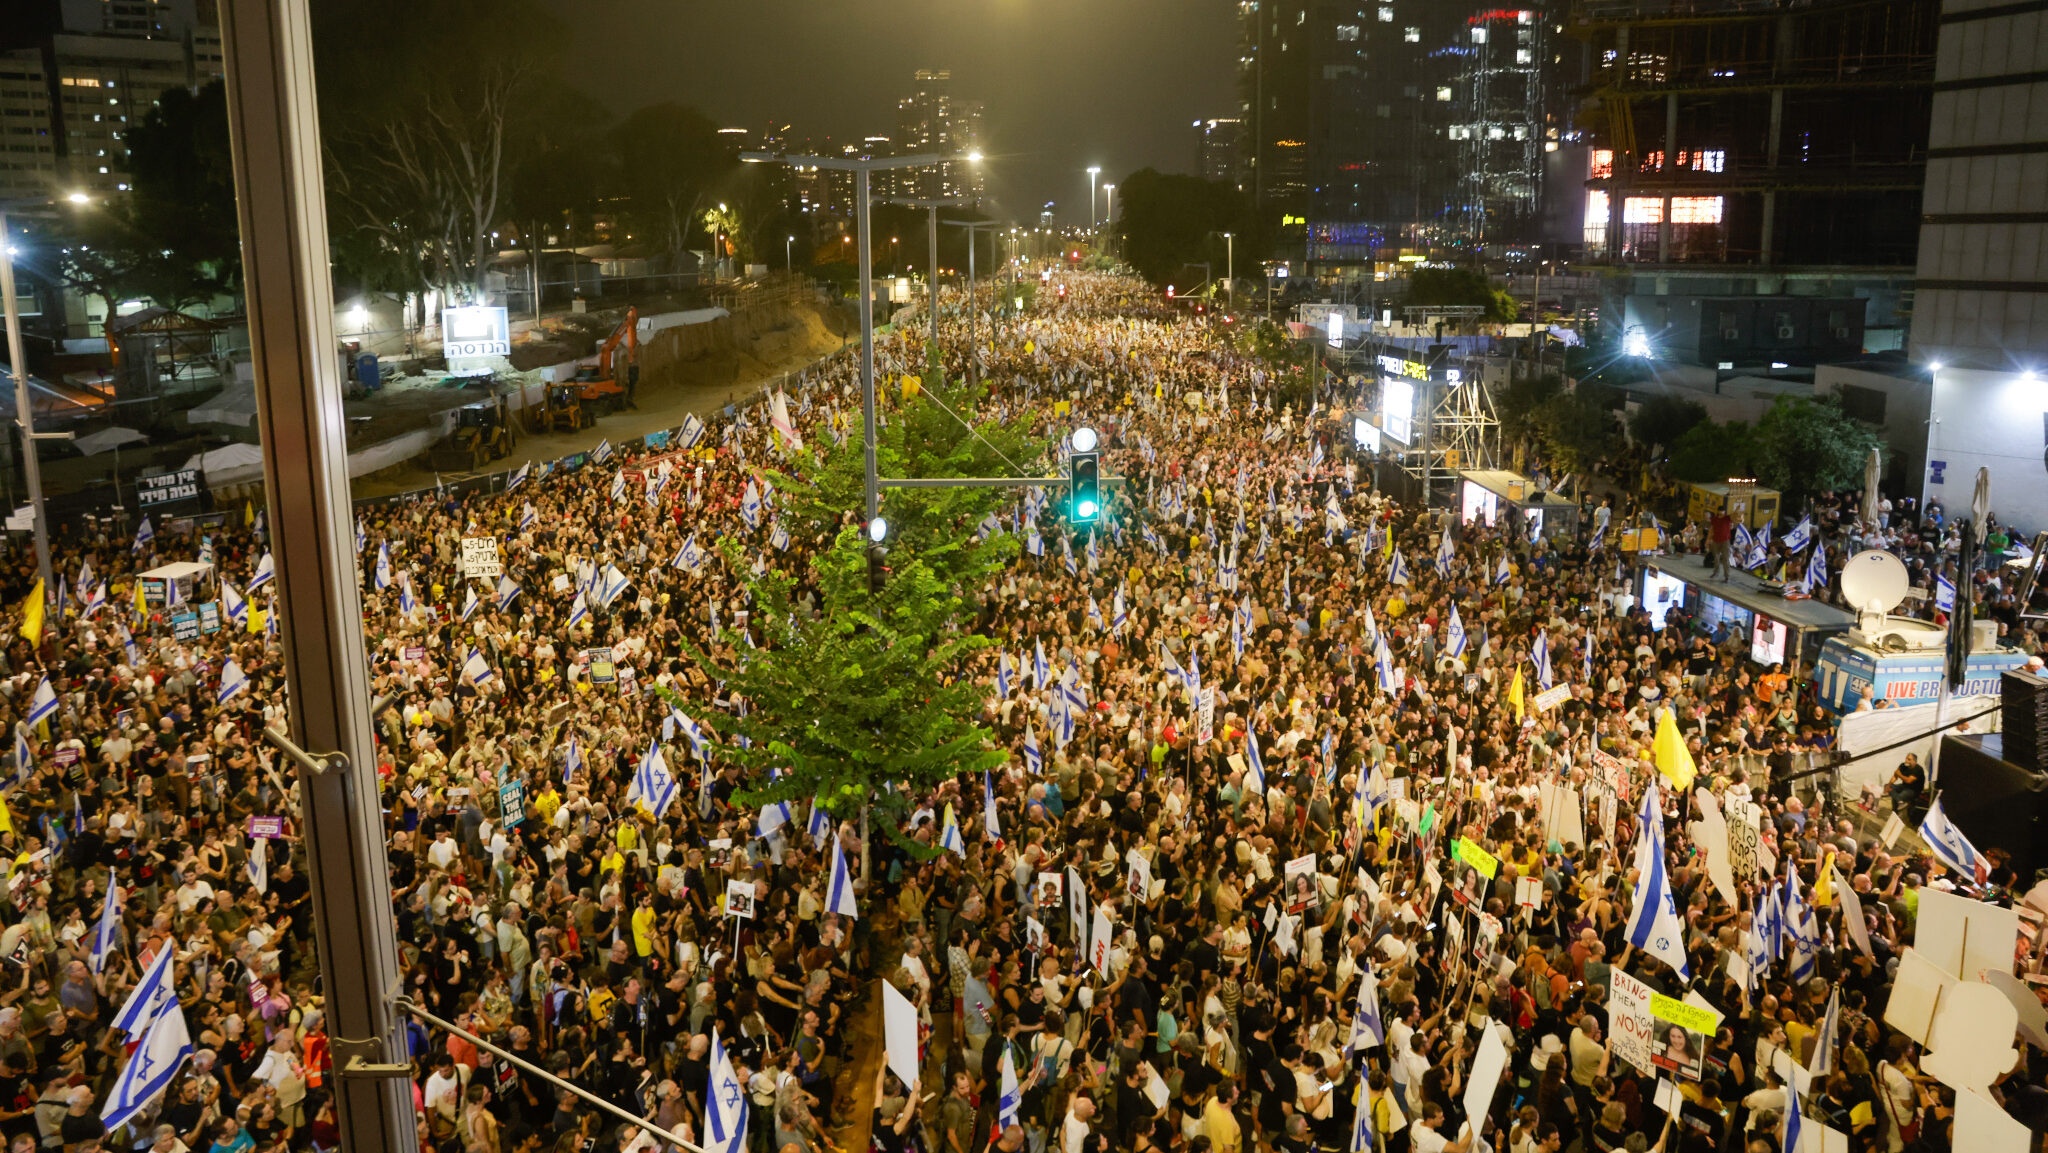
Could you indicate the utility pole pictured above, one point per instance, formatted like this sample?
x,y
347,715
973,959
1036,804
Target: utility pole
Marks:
x,y
274,138
973,353
862,203
24,407
931,207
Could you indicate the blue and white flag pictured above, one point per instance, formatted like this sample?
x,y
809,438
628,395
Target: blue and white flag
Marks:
x,y
1797,539
819,825
750,505
1034,761
232,680
1599,540
362,538
1383,664
619,487
1760,548
725,1104
1454,635
572,757
1944,594
43,704
233,604
382,577
1827,1036
602,453
518,477
1445,550
476,670
1539,655
507,591
990,820
1504,573
405,601
161,1053
1741,544
1010,1099
1254,765
1035,544
1003,676
24,757
106,932
1067,556
1794,1122
949,834
839,889
1817,570
528,517
1951,847
1367,1029
654,786
610,584
691,431
1041,675
689,558
471,602
150,997
773,817
1653,924
145,534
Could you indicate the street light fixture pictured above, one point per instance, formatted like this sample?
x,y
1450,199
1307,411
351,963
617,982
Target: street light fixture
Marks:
x,y
788,261
1094,170
24,411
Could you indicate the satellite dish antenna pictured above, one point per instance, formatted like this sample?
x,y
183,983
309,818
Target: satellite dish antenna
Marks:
x,y
1875,582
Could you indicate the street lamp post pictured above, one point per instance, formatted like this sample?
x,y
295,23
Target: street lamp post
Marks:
x,y
861,169
24,409
1094,170
931,206
788,261
1229,266
973,368
1109,208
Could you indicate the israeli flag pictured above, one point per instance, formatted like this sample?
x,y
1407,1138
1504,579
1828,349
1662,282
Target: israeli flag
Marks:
x,y
471,602
611,584
1397,572
691,432
405,601
507,590
1010,1100
145,534
1118,612
1455,638
43,705
150,998
1539,654
778,539
382,578
1741,544
1599,540
234,604
989,527
1944,594
24,757
1034,761
1503,574
232,680
603,451
1067,556
653,785
572,758
1794,1121
519,477
1383,665
1255,765
689,730
820,824
1653,926
1827,1036
1002,676
750,505
1817,570
1951,847
1760,548
1095,620
528,517
1586,645
1367,1028
266,571
1035,544
160,1054
1041,675
725,1104
689,558
949,834
773,817
1445,550
95,600
475,670
1146,534
618,487
1799,536
362,538
106,932
990,820
839,889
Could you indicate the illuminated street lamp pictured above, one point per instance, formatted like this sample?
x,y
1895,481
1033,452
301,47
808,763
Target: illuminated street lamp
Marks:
x,y
1094,170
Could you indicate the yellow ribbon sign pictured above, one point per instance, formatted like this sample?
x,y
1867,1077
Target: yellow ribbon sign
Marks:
x,y
1470,853
1692,1018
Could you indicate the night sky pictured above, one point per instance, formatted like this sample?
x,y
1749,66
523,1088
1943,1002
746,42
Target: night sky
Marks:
x,y
1065,83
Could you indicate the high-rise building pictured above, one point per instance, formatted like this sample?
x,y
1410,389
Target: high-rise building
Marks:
x,y
1980,301
1745,150
1219,151
68,98
929,120
1502,91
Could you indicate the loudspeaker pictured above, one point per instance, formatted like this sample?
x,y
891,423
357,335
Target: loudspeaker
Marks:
x,y
1996,803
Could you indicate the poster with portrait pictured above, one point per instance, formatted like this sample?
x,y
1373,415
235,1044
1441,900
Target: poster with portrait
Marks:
x,y
1051,889
1629,1024
1138,878
1678,1044
739,899
1486,938
1299,881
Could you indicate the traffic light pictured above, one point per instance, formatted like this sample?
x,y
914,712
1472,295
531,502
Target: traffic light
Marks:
x,y
1084,478
878,572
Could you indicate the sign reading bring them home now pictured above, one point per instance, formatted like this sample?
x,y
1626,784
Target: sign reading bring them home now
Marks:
x,y
154,490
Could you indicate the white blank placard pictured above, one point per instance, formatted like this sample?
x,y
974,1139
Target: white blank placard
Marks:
x,y
899,1033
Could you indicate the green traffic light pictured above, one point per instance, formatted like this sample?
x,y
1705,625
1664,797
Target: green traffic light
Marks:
x,y
1086,509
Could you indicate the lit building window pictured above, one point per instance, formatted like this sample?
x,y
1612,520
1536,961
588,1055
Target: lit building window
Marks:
x,y
1347,31
1479,36
1443,94
1386,13
1522,56
1684,210
1603,167
1412,35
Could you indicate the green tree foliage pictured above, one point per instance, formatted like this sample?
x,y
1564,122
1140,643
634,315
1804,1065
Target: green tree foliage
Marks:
x,y
1460,286
1713,451
1661,420
1807,445
1167,222
1581,428
870,689
670,162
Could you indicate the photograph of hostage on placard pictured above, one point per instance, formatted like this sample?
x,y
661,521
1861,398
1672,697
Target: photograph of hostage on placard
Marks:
x,y
1052,888
1470,890
1303,894
1679,1050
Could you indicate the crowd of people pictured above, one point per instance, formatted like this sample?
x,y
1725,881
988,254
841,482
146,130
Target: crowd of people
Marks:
x,y
1341,812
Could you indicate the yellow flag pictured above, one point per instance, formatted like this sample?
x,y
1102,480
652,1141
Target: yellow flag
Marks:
x,y
1673,759
6,818
1824,883
32,616
248,513
141,602
257,618
1515,696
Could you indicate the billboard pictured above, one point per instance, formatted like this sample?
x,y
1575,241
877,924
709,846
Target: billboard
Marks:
x,y
475,330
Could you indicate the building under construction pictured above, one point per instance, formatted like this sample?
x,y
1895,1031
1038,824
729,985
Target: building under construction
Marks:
x,y
1747,148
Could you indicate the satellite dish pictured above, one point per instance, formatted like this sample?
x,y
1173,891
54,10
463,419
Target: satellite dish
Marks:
x,y
1874,580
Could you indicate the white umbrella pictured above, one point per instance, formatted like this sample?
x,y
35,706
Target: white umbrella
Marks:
x,y
1870,474
107,439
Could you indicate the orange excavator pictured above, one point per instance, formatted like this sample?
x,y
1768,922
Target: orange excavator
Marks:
x,y
608,385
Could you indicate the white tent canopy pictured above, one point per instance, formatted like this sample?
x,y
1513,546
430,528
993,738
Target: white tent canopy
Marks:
x,y
106,439
235,404
229,464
